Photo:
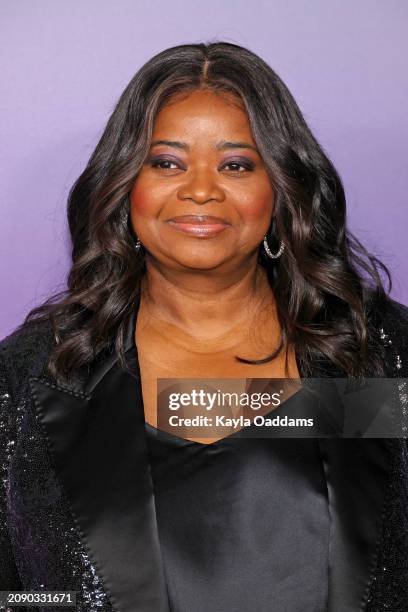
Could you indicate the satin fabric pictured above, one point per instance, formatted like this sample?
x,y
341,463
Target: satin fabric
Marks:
x,y
243,523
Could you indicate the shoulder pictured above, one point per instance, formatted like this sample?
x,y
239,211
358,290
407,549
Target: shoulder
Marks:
x,y
397,316
389,320
391,316
24,353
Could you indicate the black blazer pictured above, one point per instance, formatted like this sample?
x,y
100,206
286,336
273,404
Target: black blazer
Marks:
x,y
76,499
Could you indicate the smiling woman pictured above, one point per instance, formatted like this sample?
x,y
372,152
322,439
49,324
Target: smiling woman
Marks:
x,y
198,174
201,204
209,241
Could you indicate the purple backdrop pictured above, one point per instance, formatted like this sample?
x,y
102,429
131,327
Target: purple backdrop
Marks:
x,y
64,64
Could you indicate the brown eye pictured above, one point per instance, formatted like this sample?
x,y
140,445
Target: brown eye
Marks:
x,y
164,164
239,166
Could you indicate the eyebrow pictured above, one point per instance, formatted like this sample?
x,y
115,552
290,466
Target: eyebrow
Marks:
x,y
222,145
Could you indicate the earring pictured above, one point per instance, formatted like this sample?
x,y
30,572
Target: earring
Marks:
x,y
268,250
136,243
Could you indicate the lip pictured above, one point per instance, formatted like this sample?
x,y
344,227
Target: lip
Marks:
x,y
199,225
198,219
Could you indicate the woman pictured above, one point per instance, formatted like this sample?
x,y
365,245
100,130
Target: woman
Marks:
x,y
209,241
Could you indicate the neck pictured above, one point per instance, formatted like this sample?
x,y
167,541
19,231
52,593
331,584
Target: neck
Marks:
x,y
208,301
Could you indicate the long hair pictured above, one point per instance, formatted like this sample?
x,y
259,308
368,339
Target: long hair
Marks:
x,y
323,283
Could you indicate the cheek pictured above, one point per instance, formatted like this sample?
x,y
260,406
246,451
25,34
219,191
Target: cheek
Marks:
x,y
257,205
142,200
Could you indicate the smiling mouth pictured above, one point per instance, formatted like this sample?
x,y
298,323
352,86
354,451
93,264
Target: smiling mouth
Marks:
x,y
199,225
198,219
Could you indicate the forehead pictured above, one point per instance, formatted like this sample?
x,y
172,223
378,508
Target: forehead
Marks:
x,y
203,111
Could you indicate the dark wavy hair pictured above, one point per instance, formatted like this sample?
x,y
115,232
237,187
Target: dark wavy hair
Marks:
x,y
324,283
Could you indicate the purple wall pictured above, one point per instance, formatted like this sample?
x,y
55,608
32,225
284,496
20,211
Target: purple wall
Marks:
x,y
64,64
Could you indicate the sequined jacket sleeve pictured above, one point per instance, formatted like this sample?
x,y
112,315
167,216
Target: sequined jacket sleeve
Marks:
x,y
9,579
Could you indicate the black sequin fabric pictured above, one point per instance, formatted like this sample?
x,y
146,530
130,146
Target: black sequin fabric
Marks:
x,y
389,586
40,548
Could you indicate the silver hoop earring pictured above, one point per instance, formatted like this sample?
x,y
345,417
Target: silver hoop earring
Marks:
x,y
137,244
268,250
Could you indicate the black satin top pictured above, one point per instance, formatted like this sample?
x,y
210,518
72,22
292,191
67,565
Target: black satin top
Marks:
x,y
243,523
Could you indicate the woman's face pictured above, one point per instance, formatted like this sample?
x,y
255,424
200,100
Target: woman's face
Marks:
x,y
202,165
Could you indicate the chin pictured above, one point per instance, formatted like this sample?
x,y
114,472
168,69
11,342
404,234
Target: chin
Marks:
x,y
198,263
196,259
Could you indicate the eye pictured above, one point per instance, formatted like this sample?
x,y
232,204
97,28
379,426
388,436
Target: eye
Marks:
x,y
239,166
164,164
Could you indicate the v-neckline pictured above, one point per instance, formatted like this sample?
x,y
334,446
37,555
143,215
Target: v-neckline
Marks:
x,y
154,428
155,431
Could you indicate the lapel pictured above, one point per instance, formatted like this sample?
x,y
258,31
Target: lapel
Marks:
x,y
96,437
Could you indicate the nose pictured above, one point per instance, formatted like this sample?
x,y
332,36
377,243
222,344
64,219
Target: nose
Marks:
x,y
201,187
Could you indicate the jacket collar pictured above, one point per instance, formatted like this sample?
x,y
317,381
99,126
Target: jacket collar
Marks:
x,y
96,437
